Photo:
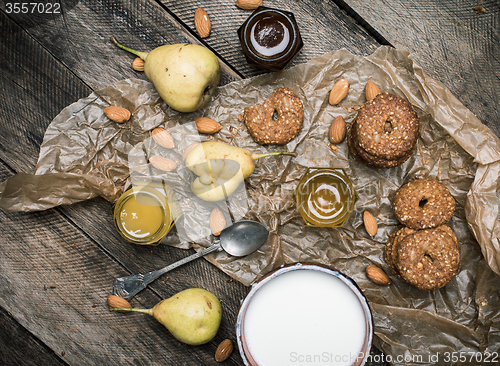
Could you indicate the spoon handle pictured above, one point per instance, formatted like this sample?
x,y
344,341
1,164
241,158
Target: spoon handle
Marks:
x,y
129,286
214,247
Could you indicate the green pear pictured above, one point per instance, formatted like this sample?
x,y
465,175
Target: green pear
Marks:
x,y
185,75
192,316
220,168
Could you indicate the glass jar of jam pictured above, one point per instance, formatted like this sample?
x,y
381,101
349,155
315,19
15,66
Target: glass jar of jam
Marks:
x,y
270,38
142,214
325,197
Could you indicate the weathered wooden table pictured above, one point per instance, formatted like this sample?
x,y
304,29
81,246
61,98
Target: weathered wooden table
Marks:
x,y
56,266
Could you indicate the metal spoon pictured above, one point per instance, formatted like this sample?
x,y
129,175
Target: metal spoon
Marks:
x,y
242,238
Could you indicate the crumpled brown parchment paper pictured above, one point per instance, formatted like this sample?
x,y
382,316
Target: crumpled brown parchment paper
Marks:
x,y
84,155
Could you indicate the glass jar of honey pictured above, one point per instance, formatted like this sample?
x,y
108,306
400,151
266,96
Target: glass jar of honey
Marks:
x,y
270,38
142,214
325,197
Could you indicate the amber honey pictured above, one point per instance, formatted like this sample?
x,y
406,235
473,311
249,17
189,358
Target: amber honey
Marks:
x,y
325,197
142,215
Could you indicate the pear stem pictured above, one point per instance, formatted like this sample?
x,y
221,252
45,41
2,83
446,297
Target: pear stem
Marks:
x,y
142,55
258,156
144,311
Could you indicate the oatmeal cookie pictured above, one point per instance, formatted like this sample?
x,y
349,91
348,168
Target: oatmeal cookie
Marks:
x,y
387,127
423,204
428,259
278,120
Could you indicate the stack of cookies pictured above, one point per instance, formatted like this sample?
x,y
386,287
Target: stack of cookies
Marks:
x,y
423,251
384,133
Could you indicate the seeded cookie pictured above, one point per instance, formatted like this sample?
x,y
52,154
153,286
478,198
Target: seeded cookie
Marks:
x,y
389,245
423,204
278,120
368,159
428,259
387,127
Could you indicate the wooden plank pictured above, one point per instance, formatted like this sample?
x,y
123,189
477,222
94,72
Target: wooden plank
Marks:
x,y
47,241
66,258
19,348
55,279
323,27
453,43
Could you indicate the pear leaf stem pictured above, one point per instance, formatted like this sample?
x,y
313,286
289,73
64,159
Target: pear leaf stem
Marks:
x,y
258,156
144,311
142,55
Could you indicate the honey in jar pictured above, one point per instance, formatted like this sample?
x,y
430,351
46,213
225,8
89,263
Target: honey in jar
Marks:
x,y
325,197
142,214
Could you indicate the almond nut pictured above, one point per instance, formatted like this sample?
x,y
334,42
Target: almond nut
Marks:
x,y
188,150
248,4
371,225
163,138
377,275
202,23
224,350
371,90
118,302
338,92
207,125
138,64
217,221
117,114
338,130
162,163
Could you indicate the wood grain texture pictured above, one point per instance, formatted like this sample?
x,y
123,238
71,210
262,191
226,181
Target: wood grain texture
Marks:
x,y
57,266
323,27
450,40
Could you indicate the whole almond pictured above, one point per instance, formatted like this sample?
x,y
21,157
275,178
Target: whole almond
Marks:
x,y
207,125
338,130
162,163
118,302
338,92
248,4
377,275
188,150
163,138
217,221
138,64
202,23
371,90
117,114
370,222
224,350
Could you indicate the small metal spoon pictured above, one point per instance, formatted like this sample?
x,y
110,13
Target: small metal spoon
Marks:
x,y
242,238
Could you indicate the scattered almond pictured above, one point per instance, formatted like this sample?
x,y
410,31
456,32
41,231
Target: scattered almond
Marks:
x,y
162,163
371,225
377,275
117,114
371,90
224,350
163,138
338,92
118,302
248,4
338,130
207,125
202,23
138,64
188,150
217,221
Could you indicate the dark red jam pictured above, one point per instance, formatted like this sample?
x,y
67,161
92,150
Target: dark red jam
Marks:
x,y
270,38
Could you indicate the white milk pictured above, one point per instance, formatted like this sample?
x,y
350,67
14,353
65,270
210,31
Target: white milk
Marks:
x,y
305,317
